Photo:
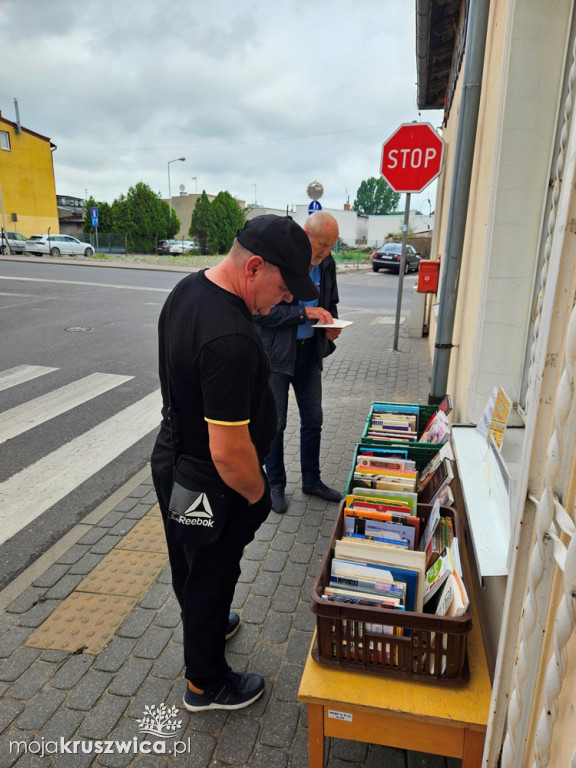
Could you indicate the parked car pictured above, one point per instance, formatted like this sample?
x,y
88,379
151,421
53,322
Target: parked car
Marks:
x,y
390,255
56,245
175,247
163,247
12,242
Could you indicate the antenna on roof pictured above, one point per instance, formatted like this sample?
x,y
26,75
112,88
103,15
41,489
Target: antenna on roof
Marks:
x,y
18,126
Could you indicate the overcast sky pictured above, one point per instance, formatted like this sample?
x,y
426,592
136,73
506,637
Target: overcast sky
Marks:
x,y
260,97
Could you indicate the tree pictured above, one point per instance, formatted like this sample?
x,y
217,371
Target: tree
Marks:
x,y
226,218
200,222
104,216
375,197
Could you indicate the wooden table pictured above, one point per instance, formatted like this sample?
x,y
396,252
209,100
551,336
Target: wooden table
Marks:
x,y
399,713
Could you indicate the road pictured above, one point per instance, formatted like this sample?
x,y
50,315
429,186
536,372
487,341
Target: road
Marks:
x,y
79,400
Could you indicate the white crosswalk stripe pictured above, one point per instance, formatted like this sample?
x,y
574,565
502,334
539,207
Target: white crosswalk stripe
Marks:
x,y
21,374
33,490
28,415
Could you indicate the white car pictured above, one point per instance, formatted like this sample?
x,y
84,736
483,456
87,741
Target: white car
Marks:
x,y
12,242
56,245
182,246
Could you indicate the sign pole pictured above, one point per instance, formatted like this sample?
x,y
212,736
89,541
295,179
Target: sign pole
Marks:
x,y
401,270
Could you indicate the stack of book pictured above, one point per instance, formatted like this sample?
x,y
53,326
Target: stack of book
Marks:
x,y
437,430
397,422
434,481
384,471
444,590
388,558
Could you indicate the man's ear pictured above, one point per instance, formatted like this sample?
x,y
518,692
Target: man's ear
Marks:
x,y
253,264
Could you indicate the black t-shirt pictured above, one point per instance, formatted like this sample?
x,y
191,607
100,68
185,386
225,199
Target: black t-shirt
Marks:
x,y
219,371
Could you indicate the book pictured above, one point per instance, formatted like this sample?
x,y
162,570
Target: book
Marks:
x,y
437,430
437,574
384,482
392,559
412,580
441,475
338,323
374,525
401,498
386,463
453,600
372,450
360,598
395,589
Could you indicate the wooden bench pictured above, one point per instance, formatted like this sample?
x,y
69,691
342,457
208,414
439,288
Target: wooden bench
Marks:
x,y
399,713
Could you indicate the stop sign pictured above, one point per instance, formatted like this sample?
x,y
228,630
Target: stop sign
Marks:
x,y
412,157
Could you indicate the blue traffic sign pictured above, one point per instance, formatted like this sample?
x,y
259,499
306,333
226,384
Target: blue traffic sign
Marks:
x,y
94,216
314,206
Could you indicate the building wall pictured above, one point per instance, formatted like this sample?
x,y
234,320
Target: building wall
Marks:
x,y
27,182
509,184
519,252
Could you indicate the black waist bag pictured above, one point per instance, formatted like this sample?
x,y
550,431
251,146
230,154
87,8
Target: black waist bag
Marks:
x,y
200,501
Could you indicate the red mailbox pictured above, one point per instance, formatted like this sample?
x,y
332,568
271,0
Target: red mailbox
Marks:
x,y
428,273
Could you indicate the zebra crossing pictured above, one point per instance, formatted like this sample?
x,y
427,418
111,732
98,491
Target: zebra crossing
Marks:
x,y
28,493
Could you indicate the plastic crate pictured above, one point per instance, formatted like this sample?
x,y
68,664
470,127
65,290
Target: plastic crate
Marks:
x,y
421,453
431,649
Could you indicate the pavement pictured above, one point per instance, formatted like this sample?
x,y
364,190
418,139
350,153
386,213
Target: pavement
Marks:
x,y
91,667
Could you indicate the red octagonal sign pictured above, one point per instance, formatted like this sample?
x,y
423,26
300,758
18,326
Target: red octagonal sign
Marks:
x,y
412,157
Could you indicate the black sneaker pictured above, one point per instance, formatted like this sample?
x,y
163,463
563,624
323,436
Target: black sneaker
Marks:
x,y
278,500
323,491
238,691
233,625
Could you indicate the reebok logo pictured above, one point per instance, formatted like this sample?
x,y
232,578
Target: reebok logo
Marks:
x,y
198,513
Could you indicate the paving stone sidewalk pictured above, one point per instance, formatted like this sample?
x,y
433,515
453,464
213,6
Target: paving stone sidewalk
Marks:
x,y
54,701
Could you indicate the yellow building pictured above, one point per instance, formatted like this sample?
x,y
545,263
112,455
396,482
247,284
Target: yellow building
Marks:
x,y
27,185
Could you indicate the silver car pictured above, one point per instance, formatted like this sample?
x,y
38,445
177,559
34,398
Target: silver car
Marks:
x,y
57,245
12,242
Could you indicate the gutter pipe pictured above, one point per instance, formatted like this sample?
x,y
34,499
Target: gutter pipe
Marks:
x,y
459,194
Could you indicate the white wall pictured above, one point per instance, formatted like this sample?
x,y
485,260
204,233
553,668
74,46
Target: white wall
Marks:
x,y
356,229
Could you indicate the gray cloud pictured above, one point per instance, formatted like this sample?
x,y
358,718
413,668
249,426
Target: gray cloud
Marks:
x,y
257,93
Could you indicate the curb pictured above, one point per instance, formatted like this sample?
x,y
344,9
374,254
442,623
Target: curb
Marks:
x,y
27,577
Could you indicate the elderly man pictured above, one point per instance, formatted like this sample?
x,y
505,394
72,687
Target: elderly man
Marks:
x,y
296,352
219,418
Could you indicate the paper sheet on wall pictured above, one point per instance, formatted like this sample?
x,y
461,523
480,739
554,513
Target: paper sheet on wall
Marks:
x,y
495,416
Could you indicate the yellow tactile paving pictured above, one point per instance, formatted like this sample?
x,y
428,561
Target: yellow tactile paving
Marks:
x,y
83,623
147,535
123,572
87,619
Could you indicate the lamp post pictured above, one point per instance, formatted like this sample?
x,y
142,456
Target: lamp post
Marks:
x,y
195,180
178,159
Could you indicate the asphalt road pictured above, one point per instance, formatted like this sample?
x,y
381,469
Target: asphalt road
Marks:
x,y
79,390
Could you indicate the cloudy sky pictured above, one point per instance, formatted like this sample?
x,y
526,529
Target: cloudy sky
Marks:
x,y
260,97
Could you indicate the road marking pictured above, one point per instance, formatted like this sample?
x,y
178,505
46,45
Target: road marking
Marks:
x,y
81,282
14,376
34,412
29,493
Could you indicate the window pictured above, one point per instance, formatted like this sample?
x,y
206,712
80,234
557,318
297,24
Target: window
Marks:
x,y
4,140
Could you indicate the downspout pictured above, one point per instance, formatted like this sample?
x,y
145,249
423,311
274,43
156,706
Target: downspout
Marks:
x,y
459,194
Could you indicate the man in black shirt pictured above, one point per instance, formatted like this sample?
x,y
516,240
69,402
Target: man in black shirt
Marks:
x,y
218,409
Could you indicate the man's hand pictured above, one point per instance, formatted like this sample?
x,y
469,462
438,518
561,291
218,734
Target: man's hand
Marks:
x,y
332,333
235,458
320,314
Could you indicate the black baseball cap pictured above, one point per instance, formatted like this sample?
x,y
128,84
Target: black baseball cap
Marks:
x,y
282,242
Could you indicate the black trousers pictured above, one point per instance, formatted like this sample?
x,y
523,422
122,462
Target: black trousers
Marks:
x,y
204,580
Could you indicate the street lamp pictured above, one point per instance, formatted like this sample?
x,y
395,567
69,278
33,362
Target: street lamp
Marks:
x,y
178,159
195,180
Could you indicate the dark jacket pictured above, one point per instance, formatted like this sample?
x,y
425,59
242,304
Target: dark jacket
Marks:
x,y
279,327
